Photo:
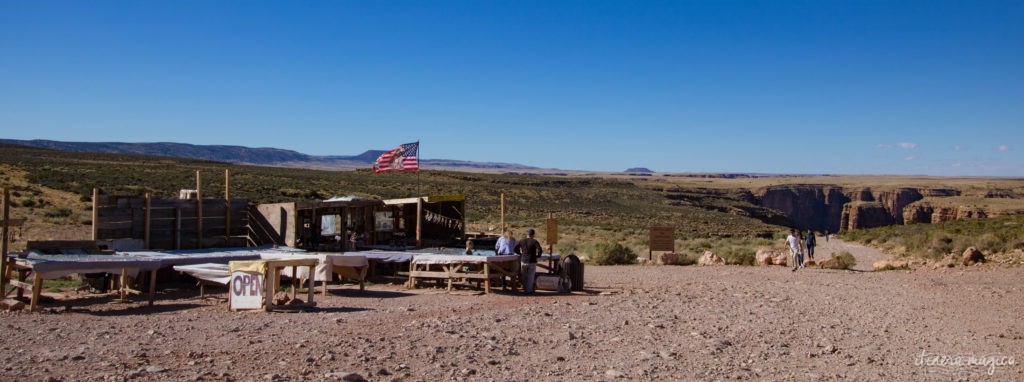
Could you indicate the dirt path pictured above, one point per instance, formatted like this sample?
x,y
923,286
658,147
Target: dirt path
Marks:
x,y
866,256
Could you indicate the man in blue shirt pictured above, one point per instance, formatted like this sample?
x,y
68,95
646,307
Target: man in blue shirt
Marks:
x,y
810,242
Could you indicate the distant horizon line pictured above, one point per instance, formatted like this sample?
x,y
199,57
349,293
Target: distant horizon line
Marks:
x,y
521,166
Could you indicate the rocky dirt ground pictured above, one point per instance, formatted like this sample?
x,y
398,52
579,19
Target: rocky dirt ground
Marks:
x,y
633,322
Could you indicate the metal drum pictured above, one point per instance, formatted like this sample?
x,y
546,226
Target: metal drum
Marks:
x,y
572,268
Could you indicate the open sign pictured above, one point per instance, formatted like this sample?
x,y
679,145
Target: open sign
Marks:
x,y
246,290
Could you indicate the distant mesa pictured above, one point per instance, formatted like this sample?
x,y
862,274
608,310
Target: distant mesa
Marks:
x,y
643,170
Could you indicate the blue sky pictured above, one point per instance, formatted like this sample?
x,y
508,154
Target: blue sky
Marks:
x,y
859,87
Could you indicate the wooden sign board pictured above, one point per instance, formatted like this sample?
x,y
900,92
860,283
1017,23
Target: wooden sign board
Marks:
x,y
552,231
12,222
246,290
663,239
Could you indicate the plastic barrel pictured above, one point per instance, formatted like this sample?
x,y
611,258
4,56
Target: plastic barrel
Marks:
x,y
573,268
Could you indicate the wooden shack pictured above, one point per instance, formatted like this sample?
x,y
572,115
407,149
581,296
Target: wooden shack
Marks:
x,y
348,224
171,223
437,220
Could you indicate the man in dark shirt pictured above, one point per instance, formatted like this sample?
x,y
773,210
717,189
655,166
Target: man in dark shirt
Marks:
x,y
529,249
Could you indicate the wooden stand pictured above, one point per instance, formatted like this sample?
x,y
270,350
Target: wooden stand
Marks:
x,y
448,272
272,280
24,269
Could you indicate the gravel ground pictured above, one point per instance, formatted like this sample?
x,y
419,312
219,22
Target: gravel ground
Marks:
x,y
633,322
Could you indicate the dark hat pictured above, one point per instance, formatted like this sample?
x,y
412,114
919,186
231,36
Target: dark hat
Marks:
x,y
530,232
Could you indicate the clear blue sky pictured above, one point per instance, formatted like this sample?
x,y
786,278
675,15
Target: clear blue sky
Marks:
x,y
879,87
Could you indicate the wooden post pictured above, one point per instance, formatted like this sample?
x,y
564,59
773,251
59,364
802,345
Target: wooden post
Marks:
x,y
312,284
124,285
502,214
227,207
152,286
419,222
348,239
148,216
314,234
551,240
37,288
3,242
95,213
199,211
177,228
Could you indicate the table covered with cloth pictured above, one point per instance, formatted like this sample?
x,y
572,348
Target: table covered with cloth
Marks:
x,y
348,266
42,267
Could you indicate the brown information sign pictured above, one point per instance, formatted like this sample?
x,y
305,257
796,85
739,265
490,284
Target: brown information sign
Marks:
x,y
663,239
552,231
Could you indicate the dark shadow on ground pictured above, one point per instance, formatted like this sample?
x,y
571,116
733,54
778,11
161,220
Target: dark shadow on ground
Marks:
x,y
341,309
367,293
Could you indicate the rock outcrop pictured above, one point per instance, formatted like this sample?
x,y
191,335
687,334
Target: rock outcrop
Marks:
x,y
972,255
925,212
710,258
858,215
668,258
834,208
895,201
888,265
771,256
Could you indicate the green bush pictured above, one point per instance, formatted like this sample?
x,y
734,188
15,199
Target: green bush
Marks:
x,y
59,212
613,253
997,235
687,259
739,255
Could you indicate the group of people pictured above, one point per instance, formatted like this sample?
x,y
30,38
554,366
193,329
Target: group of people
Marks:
x,y
528,249
800,243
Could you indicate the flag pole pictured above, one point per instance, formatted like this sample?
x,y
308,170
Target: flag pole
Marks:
x,y
419,184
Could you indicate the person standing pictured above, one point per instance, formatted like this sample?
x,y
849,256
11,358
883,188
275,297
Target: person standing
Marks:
x,y
794,248
529,249
504,247
810,242
826,235
506,244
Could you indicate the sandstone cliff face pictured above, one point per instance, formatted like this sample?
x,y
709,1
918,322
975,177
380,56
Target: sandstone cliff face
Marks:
x,y
818,207
939,192
927,213
860,195
834,208
858,215
895,201
918,213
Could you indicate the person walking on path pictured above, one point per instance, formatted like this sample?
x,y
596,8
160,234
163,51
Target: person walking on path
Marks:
x,y
794,248
810,242
529,249
826,235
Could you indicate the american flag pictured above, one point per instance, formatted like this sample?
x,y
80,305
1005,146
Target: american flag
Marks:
x,y
403,158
